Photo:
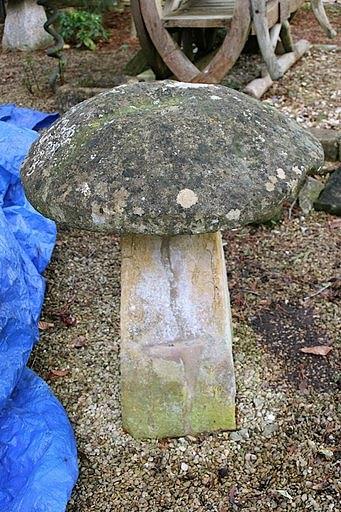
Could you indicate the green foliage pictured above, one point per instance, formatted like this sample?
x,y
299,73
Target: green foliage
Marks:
x,y
82,28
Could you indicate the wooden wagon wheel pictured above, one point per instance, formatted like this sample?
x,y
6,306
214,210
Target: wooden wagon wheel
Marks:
x,y
178,62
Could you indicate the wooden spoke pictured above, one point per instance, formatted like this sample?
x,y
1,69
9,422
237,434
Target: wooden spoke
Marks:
x,y
320,14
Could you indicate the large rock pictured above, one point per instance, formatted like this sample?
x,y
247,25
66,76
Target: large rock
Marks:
x,y
330,198
24,26
331,142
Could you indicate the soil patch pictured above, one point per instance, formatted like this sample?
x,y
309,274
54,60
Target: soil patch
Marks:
x,y
285,329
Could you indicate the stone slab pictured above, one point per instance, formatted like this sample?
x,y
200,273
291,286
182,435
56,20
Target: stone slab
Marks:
x,y
331,142
309,193
176,341
168,158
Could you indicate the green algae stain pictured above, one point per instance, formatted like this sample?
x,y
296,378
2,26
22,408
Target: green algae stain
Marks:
x,y
152,408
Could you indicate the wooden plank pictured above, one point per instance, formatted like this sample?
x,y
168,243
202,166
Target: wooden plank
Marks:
x,y
284,10
197,22
200,13
218,13
273,10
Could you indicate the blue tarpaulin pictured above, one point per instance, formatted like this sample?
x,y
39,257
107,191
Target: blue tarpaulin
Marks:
x,y
38,458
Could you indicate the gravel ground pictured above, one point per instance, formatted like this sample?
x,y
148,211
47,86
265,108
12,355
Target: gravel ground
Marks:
x,y
285,296
284,455
311,91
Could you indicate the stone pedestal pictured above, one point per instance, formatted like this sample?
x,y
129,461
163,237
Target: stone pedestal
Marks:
x,y
24,26
176,340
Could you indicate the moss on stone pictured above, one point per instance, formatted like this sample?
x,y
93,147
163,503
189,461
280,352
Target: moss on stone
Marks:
x,y
155,408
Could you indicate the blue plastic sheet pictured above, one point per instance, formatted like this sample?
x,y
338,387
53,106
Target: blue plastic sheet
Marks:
x,y
38,460
36,449
26,117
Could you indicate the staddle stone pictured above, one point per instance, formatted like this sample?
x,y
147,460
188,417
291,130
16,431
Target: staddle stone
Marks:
x,y
24,26
168,165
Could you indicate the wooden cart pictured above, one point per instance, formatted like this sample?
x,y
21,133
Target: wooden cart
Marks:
x,y
175,35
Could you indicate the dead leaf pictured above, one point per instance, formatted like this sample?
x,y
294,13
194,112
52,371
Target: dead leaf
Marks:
x,y
283,493
320,350
56,374
233,495
334,224
68,319
79,342
44,326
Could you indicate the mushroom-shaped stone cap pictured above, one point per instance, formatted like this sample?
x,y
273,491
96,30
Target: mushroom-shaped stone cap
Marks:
x,y
168,158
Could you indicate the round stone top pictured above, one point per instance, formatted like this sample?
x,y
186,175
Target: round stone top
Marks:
x,y
168,158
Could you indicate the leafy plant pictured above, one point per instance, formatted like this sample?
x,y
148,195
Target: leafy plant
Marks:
x,y
82,28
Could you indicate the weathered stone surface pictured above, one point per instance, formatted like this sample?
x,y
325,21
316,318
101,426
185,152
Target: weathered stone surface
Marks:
x,y
24,26
309,194
176,355
330,198
168,158
331,142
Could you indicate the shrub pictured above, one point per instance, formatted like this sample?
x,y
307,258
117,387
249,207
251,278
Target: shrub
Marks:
x,y
82,28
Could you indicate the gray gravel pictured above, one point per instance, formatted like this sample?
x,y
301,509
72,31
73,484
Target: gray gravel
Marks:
x,y
283,455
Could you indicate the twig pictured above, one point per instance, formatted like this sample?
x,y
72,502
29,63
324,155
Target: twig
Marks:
x,y
318,291
247,290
